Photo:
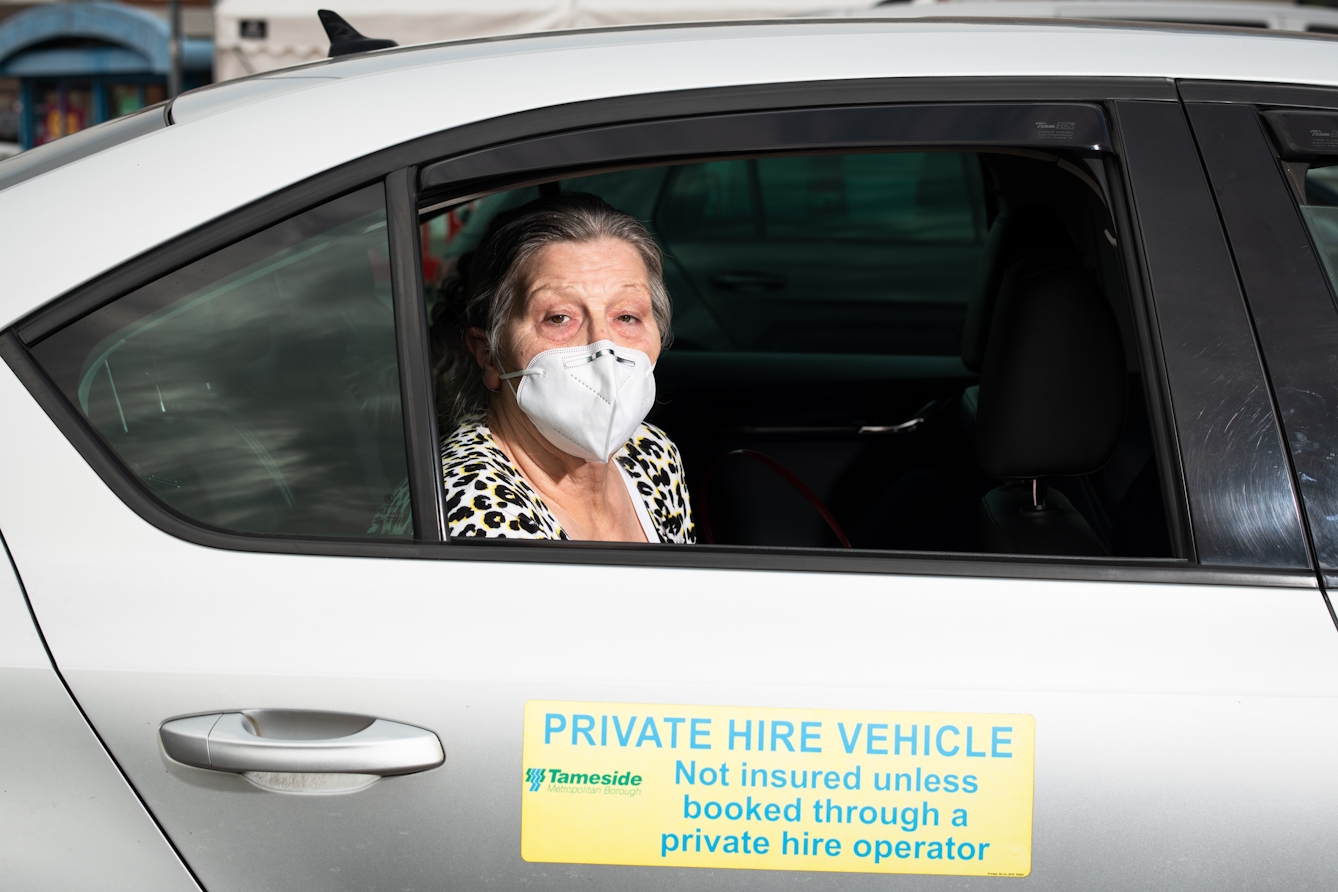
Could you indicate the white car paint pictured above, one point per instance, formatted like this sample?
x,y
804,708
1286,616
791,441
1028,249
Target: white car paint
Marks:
x,y
1145,695
70,820
1282,16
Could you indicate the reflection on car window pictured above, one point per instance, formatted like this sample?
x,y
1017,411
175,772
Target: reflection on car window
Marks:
x,y
1321,216
256,389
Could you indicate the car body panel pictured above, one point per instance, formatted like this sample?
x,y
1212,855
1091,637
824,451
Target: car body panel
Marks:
x,y
1145,695
70,820
1283,16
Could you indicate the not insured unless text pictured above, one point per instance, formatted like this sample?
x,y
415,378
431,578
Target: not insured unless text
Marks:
x,y
872,739
949,741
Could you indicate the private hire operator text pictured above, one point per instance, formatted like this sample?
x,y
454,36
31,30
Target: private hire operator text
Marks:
x,y
782,733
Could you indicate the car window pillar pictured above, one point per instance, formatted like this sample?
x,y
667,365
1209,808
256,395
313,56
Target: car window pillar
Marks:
x,y
1289,299
411,335
1242,506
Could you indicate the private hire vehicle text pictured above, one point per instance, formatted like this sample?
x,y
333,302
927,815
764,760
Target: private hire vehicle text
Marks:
x,y
828,790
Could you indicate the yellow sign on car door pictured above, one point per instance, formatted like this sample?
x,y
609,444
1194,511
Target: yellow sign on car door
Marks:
x,y
777,789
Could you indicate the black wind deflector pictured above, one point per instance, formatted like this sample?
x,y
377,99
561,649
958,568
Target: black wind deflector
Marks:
x,y
1073,126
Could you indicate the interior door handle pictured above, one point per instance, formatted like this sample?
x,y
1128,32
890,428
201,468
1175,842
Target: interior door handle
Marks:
x,y
300,742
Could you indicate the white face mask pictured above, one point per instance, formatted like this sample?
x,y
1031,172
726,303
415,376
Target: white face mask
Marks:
x,y
587,401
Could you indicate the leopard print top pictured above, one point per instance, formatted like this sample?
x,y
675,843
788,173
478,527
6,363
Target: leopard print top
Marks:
x,y
487,496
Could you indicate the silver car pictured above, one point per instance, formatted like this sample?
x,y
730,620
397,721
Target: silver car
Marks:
x,y
1004,377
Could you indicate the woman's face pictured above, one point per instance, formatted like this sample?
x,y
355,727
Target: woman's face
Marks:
x,y
577,293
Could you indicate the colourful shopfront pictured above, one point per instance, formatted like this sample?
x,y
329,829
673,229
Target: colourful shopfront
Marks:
x,y
79,64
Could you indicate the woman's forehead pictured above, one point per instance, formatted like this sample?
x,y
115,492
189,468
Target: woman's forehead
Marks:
x,y
602,264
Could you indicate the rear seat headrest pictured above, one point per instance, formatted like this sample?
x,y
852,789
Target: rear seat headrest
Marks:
x,y
1017,234
1053,390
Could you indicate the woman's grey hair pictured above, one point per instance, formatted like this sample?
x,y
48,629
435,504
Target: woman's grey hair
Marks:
x,y
490,280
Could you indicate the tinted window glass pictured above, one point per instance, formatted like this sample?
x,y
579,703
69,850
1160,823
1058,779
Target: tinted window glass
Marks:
x,y
256,389
1320,212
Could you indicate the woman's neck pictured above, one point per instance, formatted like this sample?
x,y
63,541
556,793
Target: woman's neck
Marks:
x,y
589,499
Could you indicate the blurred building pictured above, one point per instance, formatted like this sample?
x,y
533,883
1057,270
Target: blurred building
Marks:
x,y
67,66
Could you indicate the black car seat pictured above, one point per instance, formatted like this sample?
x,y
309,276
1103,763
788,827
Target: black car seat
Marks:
x,y
1028,231
1053,398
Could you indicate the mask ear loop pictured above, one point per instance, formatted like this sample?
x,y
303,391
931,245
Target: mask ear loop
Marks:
x,y
507,376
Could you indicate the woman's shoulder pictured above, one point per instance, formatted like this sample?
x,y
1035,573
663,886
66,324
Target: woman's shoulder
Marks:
x,y
471,441
653,443
485,495
653,462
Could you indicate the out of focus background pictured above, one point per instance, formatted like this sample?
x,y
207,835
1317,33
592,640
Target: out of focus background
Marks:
x,y
66,66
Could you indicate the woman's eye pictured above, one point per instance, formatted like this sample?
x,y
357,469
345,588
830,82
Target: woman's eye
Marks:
x,y
558,318
626,319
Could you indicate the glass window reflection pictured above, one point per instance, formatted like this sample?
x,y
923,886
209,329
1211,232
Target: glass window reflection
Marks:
x,y
257,389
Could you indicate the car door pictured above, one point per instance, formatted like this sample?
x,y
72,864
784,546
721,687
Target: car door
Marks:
x,y
186,494
71,821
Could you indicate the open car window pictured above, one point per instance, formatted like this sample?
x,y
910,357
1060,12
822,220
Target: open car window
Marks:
x,y
829,329
869,254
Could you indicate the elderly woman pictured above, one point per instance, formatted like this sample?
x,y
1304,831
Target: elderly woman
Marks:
x,y
554,328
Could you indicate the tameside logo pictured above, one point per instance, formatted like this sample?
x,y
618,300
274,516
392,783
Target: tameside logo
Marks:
x,y
535,778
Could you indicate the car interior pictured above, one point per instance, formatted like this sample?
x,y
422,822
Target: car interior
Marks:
x,y
906,350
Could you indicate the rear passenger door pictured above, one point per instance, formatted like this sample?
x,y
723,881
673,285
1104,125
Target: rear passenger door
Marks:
x,y
1108,712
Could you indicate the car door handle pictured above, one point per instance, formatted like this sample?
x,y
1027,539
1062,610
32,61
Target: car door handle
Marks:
x,y
300,742
749,281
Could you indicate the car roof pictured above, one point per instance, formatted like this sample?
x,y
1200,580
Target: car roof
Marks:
x,y
234,143
1283,16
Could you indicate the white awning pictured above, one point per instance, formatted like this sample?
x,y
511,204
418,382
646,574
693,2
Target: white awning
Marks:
x,y
293,34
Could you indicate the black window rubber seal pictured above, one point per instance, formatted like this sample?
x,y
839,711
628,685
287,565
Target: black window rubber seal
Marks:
x,y
708,557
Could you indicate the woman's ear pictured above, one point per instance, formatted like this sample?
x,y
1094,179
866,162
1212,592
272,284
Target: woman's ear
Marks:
x,y
477,344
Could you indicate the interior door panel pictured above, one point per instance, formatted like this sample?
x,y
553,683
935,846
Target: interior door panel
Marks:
x,y
794,296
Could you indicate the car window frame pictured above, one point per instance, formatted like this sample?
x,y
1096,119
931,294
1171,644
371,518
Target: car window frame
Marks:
x,y
397,167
